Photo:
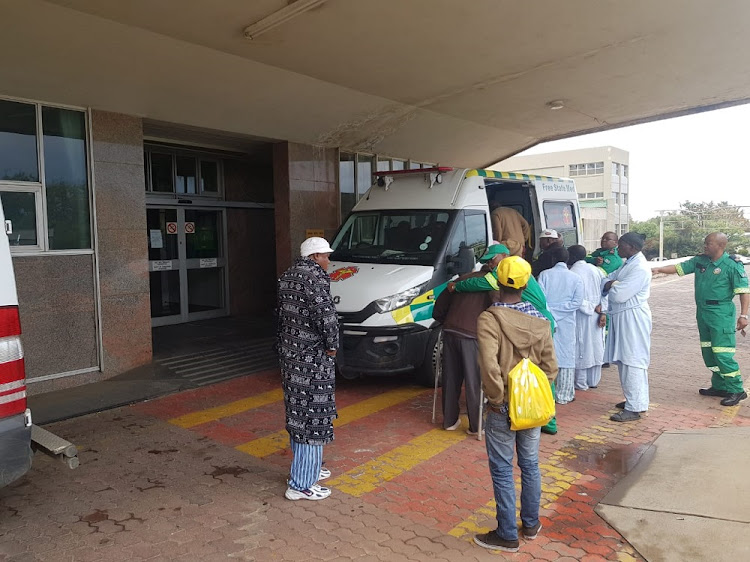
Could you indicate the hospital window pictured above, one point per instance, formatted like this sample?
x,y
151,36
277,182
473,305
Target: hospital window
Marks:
x,y
44,185
588,169
181,172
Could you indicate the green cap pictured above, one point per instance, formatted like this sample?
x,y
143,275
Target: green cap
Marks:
x,y
492,251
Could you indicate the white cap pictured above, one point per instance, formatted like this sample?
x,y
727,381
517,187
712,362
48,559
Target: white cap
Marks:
x,y
549,234
314,245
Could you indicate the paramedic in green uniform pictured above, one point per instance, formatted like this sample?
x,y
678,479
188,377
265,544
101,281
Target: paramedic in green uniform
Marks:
x,y
532,293
718,278
606,258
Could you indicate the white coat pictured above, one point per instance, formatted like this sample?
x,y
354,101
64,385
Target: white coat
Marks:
x,y
589,336
564,291
629,340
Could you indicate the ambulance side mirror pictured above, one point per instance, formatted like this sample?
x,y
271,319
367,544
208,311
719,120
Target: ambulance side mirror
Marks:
x,y
462,262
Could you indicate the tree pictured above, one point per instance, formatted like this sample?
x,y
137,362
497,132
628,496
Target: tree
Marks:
x,y
685,229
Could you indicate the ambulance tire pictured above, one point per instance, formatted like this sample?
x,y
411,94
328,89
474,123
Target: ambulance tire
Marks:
x,y
433,360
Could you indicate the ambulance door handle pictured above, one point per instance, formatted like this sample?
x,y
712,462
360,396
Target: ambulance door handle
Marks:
x,y
8,227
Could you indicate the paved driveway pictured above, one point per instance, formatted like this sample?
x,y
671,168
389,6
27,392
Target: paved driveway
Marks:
x,y
200,475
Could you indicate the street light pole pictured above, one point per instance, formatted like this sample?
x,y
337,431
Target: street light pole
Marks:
x,y
661,235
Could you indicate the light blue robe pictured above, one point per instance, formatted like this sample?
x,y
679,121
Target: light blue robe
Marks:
x,y
564,292
589,336
629,340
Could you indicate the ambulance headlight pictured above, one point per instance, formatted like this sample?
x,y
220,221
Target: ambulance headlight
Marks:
x,y
398,300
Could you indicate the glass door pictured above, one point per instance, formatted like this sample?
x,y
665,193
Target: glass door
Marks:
x,y
187,264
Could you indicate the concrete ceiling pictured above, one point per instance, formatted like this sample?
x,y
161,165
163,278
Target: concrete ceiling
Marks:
x,y
447,81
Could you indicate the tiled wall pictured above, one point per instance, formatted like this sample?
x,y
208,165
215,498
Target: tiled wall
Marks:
x,y
58,314
121,222
305,196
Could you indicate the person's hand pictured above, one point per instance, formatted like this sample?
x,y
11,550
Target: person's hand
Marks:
x,y
451,287
598,309
331,352
602,320
599,260
742,324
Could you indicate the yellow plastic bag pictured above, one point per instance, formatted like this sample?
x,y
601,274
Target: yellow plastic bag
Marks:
x,y
530,403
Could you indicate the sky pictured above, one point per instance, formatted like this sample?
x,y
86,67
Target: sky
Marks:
x,y
697,158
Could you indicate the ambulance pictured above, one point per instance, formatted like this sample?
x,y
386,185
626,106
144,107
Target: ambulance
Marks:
x,y
15,417
411,233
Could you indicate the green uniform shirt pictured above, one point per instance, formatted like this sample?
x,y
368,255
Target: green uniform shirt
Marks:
x,y
612,260
715,282
532,293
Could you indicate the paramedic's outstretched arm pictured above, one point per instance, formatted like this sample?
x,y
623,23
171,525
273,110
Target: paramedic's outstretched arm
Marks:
x,y
475,285
668,269
488,333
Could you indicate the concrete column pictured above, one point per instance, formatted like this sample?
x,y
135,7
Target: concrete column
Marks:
x,y
305,196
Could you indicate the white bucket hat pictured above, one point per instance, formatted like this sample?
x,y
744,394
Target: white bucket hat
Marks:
x,y
314,245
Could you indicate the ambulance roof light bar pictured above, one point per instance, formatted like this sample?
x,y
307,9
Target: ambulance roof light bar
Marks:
x,y
436,169
385,179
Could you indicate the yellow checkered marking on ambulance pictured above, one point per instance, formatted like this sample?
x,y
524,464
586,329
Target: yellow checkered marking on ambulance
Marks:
x,y
405,314
506,175
373,474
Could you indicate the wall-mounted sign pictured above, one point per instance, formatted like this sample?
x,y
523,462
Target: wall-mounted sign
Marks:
x,y
208,262
156,238
310,232
189,227
161,265
171,228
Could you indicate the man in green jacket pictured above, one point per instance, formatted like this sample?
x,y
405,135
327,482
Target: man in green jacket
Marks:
x,y
606,258
532,294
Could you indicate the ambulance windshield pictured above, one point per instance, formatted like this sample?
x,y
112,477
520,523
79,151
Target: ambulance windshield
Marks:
x,y
409,237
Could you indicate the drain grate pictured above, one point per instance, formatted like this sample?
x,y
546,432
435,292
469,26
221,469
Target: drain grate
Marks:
x,y
219,364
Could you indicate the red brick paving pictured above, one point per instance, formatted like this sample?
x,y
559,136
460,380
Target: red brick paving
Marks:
x,y
147,490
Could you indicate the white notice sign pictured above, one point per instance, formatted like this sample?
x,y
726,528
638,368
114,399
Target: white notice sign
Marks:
x,y
208,262
156,239
161,265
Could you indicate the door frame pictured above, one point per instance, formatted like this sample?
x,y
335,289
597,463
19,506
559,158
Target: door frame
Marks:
x,y
182,265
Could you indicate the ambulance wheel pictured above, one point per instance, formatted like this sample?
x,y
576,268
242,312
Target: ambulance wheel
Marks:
x,y
433,361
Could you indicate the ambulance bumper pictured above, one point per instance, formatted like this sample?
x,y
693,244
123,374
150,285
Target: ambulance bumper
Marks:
x,y
381,351
15,448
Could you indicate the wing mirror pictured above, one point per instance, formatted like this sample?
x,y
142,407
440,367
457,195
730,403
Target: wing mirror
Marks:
x,y
463,262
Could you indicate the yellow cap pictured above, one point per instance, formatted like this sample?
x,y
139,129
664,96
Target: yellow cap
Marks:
x,y
513,272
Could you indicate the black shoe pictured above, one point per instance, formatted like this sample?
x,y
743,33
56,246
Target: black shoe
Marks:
x,y
493,541
625,416
530,533
733,399
605,366
713,392
620,405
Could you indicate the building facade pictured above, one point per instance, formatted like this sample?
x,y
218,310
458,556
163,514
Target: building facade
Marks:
x,y
119,224
602,180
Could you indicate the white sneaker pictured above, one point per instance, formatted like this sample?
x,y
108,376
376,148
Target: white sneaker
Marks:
x,y
324,473
313,493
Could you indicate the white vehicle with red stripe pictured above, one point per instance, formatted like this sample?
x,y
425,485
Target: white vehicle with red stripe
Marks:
x,y
15,417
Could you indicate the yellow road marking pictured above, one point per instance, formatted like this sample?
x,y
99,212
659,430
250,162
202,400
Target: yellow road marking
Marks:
x,y
278,441
224,411
369,476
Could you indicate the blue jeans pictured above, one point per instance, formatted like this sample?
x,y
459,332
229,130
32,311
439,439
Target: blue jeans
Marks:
x,y
500,441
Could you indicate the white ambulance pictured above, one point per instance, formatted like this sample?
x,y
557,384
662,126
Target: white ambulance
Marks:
x,y
15,417
406,238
